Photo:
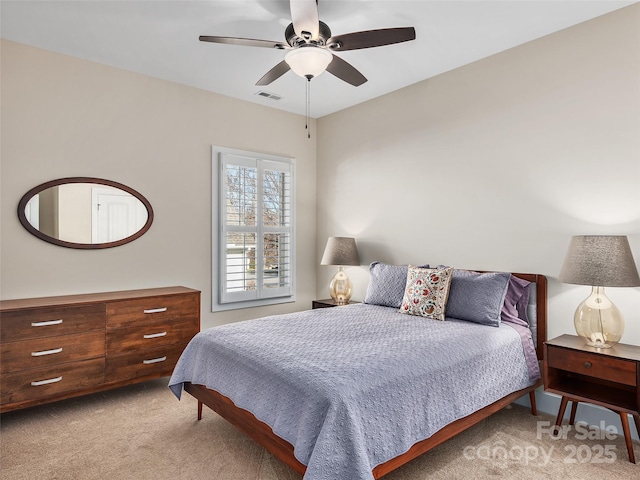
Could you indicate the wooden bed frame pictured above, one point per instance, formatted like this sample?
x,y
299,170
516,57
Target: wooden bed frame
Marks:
x,y
283,450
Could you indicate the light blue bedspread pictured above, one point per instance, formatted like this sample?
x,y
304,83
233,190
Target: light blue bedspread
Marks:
x,y
354,386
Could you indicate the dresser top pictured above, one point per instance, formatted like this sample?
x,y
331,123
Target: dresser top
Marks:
x,y
19,304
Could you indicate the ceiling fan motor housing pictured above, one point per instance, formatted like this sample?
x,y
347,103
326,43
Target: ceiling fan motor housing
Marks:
x,y
294,40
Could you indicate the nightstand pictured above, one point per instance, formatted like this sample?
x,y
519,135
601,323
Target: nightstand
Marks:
x,y
326,303
608,377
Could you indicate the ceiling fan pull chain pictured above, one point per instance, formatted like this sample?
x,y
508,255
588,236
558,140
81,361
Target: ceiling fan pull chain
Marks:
x,y
308,108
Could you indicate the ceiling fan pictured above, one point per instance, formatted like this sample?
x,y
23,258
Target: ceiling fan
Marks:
x,y
310,45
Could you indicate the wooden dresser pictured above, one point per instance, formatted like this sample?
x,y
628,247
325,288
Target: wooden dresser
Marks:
x,y
60,347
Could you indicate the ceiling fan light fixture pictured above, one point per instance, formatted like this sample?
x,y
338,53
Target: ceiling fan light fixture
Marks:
x,y
308,61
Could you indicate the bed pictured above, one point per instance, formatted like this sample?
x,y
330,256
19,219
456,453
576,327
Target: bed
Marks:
x,y
359,390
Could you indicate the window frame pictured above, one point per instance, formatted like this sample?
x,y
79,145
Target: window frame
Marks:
x,y
221,298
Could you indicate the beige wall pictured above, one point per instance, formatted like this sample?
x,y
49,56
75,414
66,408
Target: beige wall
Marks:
x,y
497,164
490,166
62,116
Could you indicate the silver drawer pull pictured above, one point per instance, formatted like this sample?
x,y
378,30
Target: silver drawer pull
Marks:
x,y
156,310
46,323
587,364
154,335
46,382
154,360
46,352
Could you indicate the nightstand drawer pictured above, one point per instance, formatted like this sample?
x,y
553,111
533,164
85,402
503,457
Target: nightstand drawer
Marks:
x,y
592,364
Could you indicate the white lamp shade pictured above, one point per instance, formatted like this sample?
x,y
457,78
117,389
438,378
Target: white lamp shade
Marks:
x,y
308,61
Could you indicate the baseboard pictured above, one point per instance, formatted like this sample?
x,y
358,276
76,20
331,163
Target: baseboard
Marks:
x,y
593,415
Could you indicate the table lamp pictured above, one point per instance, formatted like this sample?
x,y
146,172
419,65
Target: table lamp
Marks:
x,y
340,251
599,261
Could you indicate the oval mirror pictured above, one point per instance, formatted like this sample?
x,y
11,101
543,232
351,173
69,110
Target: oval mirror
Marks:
x,y
84,212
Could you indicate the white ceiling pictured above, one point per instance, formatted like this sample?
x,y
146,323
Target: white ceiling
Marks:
x,y
160,38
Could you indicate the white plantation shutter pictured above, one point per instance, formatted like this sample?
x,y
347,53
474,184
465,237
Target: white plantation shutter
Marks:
x,y
256,226
277,228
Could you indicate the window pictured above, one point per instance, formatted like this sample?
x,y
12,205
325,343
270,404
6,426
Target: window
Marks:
x,y
254,246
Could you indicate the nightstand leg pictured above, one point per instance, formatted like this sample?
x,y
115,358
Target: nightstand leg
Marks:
x,y
636,419
532,400
199,410
574,408
627,435
563,407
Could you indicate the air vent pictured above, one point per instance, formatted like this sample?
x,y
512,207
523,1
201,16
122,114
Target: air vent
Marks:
x,y
271,96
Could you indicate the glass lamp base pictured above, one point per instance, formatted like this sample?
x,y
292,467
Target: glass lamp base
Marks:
x,y
340,287
598,344
598,320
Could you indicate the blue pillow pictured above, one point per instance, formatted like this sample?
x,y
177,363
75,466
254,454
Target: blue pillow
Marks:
x,y
477,297
387,284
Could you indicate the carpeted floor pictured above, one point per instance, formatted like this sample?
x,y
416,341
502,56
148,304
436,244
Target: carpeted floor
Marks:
x,y
142,432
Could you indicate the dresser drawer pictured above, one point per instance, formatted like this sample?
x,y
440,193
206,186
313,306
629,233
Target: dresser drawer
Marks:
x,y
121,340
592,364
41,352
41,383
51,321
158,361
129,313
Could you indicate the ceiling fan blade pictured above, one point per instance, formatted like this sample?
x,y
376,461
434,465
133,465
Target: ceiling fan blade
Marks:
x,y
371,38
247,42
304,15
275,73
345,71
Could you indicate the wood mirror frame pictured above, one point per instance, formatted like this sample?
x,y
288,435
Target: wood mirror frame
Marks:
x,y
98,181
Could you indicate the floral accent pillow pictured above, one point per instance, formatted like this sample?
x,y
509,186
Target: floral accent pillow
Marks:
x,y
426,292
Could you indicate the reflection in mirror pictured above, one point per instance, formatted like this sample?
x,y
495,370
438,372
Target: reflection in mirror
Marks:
x,y
85,212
